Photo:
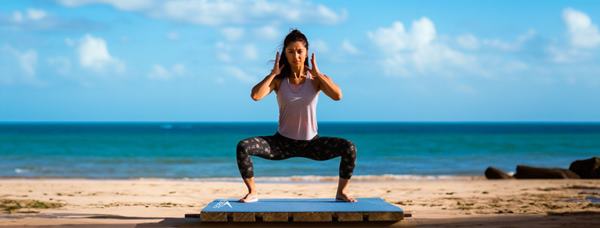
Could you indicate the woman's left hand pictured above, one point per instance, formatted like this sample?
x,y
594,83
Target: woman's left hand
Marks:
x,y
314,70
325,82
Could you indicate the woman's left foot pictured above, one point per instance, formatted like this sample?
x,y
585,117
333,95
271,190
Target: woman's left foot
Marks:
x,y
344,197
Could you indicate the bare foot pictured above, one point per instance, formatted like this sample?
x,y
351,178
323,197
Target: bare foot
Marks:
x,y
249,198
344,197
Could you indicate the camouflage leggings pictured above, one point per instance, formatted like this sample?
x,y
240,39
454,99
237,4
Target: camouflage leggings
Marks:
x,y
279,147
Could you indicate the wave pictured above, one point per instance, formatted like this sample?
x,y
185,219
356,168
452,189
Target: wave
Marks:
x,y
313,178
19,170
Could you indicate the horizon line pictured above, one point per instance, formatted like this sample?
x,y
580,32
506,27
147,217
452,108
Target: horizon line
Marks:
x,y
326,121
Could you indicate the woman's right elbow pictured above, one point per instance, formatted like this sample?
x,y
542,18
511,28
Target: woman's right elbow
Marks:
x,y
255,97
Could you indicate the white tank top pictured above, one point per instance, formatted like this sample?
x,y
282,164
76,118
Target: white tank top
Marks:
x,y
298,109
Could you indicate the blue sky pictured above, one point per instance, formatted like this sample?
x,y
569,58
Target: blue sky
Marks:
x,y
146,60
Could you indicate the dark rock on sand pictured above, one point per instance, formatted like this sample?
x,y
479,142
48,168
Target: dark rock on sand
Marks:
x,y
529,172
587,169
494,173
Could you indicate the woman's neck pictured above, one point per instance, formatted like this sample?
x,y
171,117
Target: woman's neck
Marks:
x,y
298,72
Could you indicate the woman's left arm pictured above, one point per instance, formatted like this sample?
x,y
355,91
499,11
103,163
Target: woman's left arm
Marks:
x,y
325,82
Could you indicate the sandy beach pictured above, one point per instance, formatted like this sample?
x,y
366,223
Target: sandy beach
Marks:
x,y
162,202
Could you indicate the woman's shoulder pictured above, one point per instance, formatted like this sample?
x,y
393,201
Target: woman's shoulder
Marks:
x,y
277,81
315,82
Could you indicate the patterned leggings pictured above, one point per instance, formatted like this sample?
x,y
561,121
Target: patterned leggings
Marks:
x,y
279,147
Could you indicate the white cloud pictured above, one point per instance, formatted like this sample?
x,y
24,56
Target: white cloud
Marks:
x,y
205,12
465,89
582,32
62,65
223,56
240,75
250,52
232,34
94,55
17,16
318,46
499,44
30,14
173,36
220,80
583,38
27,62
329,16
222,52
119,4
468,41
510,46
417,52
160,72
420,51
268,32
178,69
394,38
423,32
36,14
70,42
348,47
562,54
202,12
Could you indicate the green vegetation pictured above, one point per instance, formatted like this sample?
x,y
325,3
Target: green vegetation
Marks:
x,y
11,205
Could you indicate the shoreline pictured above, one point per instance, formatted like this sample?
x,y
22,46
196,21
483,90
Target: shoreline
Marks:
x,y
270,179
434,202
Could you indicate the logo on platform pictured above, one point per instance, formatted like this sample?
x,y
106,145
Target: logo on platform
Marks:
x,y
222,203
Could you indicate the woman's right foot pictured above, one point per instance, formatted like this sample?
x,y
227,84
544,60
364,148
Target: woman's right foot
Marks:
x,y
249,198
345,197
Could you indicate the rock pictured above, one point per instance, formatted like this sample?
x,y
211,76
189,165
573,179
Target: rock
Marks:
x,y
494,173
528,172
587,169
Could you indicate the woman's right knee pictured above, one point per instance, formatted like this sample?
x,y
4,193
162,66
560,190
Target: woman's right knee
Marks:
x,y
242,146
349,148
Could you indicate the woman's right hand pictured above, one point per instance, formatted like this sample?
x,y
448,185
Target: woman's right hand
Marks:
x,y
268,84
276,69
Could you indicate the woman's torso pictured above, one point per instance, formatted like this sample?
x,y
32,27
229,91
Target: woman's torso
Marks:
x,y
297,108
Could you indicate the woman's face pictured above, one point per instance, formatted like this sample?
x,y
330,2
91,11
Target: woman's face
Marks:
x,y
295,53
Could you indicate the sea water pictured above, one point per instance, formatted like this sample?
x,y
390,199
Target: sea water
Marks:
x,y
117,150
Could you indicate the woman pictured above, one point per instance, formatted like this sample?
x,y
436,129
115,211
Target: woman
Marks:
x,y
297,87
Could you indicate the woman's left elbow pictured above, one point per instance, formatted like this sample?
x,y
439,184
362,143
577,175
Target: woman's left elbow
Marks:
x,y
337,97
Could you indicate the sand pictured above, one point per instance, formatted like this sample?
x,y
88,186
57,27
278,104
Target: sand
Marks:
x,y
158,202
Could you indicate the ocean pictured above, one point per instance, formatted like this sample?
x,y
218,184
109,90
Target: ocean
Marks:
x,y
206,150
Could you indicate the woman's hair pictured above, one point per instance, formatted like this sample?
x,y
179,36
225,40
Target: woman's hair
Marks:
x,y
293,36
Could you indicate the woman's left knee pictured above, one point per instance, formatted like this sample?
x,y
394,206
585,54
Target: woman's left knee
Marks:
x,y
349,147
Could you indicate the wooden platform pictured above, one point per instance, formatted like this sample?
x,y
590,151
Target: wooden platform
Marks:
x,y
301,210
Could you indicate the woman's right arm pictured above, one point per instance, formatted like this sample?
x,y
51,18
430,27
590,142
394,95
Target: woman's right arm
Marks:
x,y
264,87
